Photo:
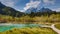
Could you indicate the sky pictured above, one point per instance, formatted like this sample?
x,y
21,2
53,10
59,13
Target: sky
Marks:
x,y
23,5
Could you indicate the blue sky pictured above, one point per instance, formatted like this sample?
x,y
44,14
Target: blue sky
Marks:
x,y
23,5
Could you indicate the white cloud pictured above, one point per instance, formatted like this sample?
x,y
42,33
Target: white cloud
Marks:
x,y
36,3
56,9
10,3
32,4
49,1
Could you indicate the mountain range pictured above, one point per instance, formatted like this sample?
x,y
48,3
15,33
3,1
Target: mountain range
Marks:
x,y
5,10
42,10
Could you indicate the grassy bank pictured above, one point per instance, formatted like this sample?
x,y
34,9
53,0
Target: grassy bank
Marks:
x,y
57,26
30,31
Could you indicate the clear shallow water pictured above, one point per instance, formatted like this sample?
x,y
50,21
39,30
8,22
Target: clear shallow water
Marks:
x,y
9,27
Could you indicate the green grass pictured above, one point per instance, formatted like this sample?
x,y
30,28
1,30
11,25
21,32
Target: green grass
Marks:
x,y
30,31
57,26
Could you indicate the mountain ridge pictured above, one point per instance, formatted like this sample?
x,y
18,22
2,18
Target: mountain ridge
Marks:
x,y
36,10
4,10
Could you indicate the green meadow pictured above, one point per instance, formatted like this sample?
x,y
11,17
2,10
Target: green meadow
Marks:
x,y
30,31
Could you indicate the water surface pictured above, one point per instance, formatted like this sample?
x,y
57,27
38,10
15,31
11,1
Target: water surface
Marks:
x,y
5,27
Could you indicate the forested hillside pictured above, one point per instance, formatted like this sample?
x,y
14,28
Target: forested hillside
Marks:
x,y
4,10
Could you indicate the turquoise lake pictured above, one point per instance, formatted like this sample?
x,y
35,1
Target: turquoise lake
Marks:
x,y
9,27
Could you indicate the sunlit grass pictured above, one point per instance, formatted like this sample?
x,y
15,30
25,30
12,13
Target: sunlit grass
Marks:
x,y
30,31
57,26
